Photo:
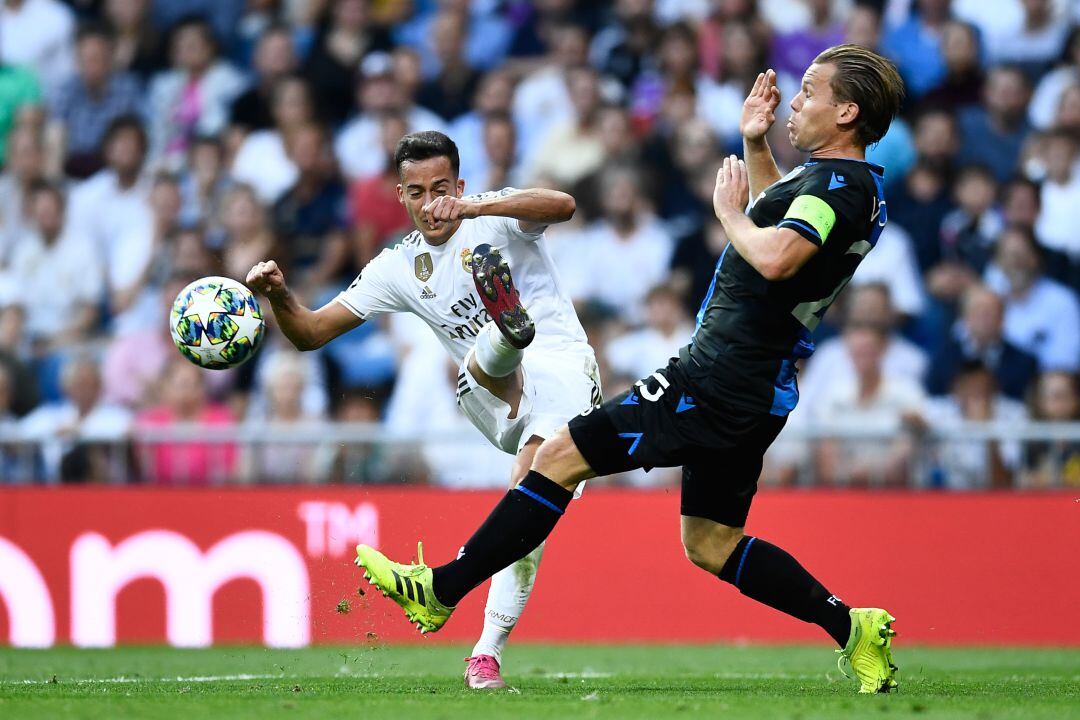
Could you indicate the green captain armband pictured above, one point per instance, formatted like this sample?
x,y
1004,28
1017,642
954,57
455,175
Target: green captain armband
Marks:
x,y
810,214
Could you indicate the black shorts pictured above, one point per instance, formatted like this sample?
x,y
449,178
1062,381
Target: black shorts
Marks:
x,y
664,421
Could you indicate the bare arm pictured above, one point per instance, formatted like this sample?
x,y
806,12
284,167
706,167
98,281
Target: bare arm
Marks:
x,y
306,329
758,115
776,253
534,209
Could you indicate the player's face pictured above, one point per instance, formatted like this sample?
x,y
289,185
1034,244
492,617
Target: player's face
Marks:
x,y
422,182
816,116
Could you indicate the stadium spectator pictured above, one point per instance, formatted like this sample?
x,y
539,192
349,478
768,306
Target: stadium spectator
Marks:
x,y
868,399
1032,45
450,91
38,34
977,336
310,217
1041,316
627,242
203,185
274,59
90,100
542,98
72,429
24,168
19,90
1047,97
920,205
220,17
343,36
1059,196
967,236
915,46
488,36
138,47
792,52
974,464
494,95
863,26
184,402
693,263
55,275
962,84
626,45
248,234
375,211
284,379
500,153
115,198
993,135
262,160
667,328
572,149
140,345
192,98
1056,399
893,263
359,147
865,306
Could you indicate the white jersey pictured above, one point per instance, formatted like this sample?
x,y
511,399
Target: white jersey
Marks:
x,y
435,283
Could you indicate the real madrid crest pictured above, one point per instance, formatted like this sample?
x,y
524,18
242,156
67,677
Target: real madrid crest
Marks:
x,y
423,267
466,260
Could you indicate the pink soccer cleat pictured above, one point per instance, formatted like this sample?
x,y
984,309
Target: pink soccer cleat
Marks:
x,y
482,673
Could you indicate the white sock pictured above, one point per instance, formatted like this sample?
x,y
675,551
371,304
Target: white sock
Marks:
x,y
510,590
495,356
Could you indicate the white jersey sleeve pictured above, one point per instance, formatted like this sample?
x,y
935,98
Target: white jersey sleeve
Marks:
x,y
374,290
508,227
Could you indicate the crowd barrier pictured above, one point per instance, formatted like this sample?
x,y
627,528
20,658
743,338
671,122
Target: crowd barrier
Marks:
x,y
106,566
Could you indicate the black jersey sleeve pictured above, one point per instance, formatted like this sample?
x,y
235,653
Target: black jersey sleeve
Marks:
x,y
826,197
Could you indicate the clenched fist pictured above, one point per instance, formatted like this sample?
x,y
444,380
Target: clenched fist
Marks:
x,y
448,208
266,278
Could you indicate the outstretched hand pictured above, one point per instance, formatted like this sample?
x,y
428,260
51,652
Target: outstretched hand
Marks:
x,y
732,192
759,108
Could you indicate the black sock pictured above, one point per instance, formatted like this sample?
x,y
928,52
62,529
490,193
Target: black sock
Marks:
x,y
519,523
769,575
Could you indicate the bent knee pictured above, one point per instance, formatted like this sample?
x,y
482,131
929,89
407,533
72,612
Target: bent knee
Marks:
x,y
711,552
558,459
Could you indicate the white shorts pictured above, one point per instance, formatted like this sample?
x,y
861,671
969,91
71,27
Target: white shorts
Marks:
x,y
558,384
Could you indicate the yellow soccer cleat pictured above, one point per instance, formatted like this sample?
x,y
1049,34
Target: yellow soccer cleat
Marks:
x,y
869,650
407,585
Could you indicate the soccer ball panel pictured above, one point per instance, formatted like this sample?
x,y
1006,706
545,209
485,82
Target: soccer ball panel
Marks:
x,y
216,323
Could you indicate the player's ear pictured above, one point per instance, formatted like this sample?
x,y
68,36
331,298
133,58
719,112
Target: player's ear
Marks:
x,y
460,187
847,113
400,194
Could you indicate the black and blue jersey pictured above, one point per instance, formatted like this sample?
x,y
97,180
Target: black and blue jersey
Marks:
x,y
751,330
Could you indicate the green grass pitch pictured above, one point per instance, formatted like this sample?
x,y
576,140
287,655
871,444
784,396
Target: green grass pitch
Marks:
x,y
423,682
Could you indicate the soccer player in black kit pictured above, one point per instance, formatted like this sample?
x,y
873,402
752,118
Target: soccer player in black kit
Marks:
x,y
717,407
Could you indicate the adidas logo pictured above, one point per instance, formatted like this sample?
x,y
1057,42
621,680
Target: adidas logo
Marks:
x,y
427,293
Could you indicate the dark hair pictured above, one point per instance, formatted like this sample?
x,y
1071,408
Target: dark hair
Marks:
x,y
195,21
51,188
95,29
425,145
870,81
126,122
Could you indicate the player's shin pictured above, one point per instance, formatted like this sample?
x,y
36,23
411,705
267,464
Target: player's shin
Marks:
x,y
494,354
771,576
510,590
518,525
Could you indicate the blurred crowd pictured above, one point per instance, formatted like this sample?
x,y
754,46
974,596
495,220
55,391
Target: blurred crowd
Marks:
x,y
146,143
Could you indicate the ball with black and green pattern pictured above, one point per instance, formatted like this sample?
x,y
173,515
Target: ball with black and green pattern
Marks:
x,y
216,323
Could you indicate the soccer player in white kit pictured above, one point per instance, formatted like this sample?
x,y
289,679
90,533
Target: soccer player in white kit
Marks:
x,y
523,373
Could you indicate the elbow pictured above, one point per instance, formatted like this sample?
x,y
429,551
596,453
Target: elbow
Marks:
x,y
308,344
778,268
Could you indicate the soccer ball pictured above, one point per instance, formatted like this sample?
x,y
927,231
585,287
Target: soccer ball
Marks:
x,y
216,323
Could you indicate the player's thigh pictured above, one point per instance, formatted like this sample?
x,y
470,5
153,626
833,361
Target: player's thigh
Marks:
x,y
653,424
507,389
719,485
